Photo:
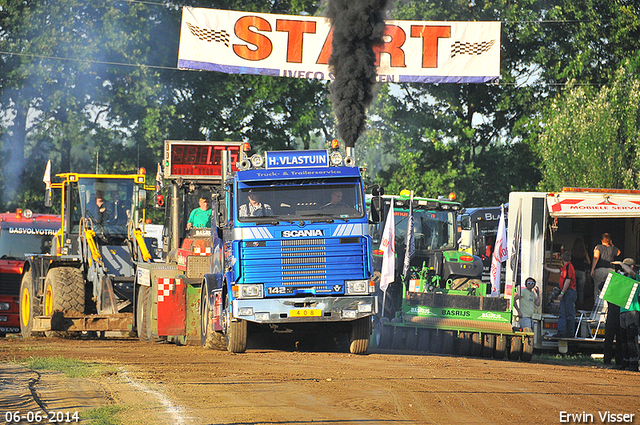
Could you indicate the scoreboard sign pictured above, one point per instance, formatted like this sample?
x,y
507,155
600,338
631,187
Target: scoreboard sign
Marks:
x,y
200,160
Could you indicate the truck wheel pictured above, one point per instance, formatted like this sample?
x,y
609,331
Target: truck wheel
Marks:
x,y
489,345
29,307
476,344
142,314
359,336
527,347
64,294
501,347
235,333
515,348
209,338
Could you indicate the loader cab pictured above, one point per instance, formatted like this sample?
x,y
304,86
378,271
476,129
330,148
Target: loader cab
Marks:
x,y
106,205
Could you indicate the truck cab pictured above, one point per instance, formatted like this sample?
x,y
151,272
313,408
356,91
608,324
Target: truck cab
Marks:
x,y
21,232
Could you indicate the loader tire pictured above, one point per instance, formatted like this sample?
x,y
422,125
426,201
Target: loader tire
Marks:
x,y
64,295
360,335
29,307
64,291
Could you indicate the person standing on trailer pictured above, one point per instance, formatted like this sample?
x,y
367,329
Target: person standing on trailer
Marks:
x,y
603,254
581,261
567,297
528,297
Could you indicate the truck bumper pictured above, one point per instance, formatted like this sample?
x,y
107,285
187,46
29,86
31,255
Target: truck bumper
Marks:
x,y
300,310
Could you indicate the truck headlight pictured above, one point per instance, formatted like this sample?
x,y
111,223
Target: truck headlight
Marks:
x,y
353,287
246,291
4,306
336,158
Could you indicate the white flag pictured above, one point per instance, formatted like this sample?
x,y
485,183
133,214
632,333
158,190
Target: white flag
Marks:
x,y
410,249
47,175
388,246
500,254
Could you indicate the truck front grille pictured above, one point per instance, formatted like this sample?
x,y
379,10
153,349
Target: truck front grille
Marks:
x,y
10,284
320,264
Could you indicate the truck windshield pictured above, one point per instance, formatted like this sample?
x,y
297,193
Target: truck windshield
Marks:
x,y
105,202
433,230
17,241
301,200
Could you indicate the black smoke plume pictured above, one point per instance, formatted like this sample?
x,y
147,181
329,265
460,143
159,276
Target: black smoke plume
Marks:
x,y
357,27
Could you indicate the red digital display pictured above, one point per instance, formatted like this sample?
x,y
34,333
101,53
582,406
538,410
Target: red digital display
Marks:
x,y
200,159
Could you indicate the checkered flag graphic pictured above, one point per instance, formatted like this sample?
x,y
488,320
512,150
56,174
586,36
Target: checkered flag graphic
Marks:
x,y
465,48
203,34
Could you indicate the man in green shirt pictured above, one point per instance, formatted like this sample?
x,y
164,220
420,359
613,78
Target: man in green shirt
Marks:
x,y
201,216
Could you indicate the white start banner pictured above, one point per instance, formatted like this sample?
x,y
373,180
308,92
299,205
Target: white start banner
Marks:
x,y
299,46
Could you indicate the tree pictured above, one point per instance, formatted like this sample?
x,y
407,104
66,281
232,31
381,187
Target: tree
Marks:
x,y
591,136
484,136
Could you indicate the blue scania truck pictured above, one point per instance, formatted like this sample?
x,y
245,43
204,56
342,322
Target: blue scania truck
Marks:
x,y
288,249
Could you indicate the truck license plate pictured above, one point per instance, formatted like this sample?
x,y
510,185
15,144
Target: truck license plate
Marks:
x,y
308,312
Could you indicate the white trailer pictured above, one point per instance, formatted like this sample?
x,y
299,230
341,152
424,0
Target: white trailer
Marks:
x,y
544,224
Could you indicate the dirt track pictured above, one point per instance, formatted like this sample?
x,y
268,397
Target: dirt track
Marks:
x,y
163,383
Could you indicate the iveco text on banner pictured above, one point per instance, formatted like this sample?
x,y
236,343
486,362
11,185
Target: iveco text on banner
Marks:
x,y
299,46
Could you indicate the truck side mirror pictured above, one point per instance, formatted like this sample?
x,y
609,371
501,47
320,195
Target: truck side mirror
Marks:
x,y
377,207
142,199
220,211
48,198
